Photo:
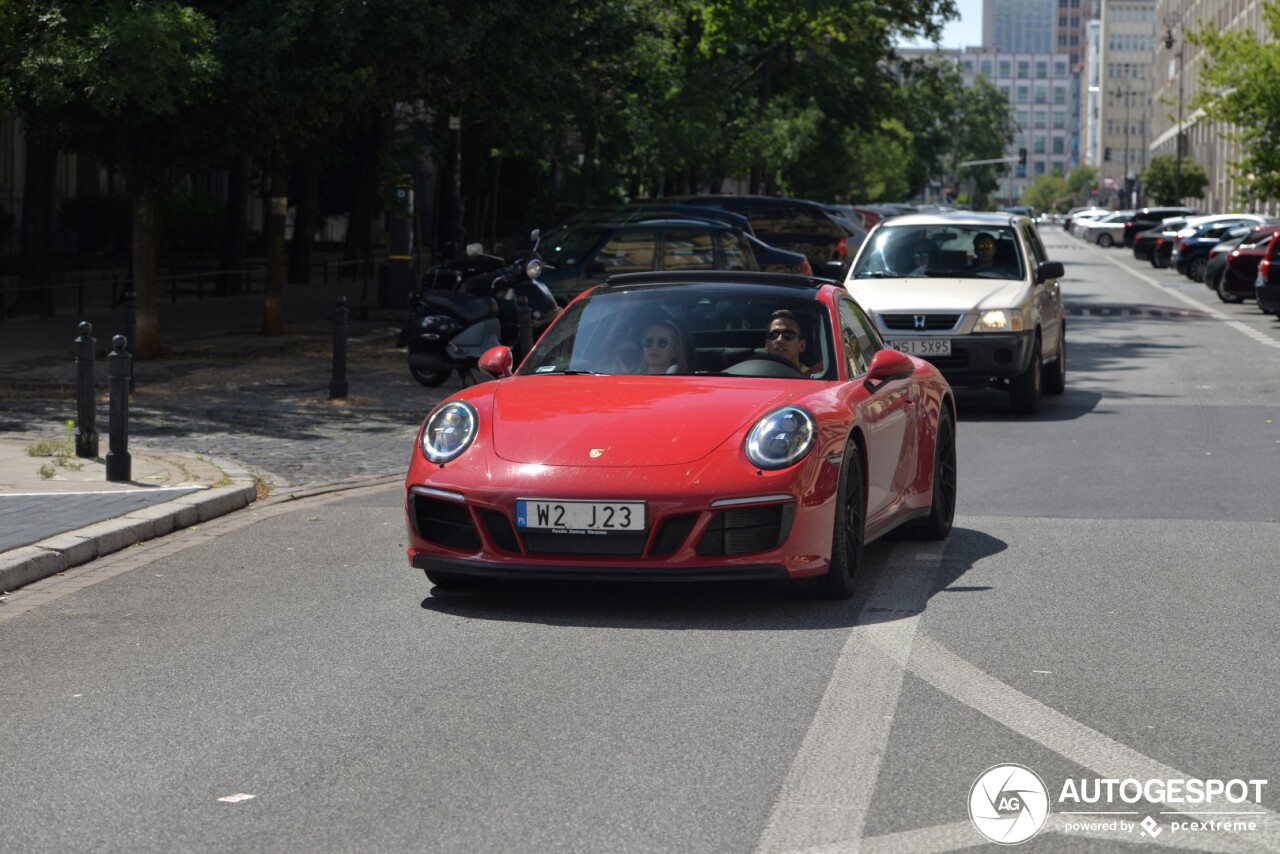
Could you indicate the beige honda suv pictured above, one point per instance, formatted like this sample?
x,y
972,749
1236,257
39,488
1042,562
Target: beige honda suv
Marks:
x,y
973,293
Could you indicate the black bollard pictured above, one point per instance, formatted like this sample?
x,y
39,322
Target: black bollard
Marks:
x,y
119,463
338,385
86,411
524,329
130,333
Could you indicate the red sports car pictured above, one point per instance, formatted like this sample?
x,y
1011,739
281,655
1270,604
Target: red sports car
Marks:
x,y
686,426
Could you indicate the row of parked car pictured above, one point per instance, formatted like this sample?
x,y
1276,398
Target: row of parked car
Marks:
x,y
682,233
1230,253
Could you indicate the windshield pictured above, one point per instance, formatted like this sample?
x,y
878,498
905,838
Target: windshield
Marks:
x,y
568,244
690,328
941,251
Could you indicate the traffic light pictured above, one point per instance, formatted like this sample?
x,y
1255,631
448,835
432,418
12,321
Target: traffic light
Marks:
x,y
1022,156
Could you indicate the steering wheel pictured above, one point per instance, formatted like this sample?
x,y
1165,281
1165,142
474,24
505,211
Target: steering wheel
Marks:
x,y
764,365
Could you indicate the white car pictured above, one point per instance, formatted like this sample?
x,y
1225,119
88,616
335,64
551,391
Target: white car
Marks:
x,y
1084,219
1107,231
982,321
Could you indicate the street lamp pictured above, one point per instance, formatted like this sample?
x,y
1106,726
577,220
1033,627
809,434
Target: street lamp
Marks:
x,y
1172,20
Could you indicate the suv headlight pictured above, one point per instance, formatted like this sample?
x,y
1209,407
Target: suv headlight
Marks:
x,y
449,431
781,438
1000,320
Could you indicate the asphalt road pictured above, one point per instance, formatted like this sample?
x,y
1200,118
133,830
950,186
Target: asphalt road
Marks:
x,y
1104,609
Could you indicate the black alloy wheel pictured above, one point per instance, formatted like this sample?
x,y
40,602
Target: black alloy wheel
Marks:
x,y
942,512
1224,294
849,531
1195,269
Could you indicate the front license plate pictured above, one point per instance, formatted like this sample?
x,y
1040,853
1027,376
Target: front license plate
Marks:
x,y
601,516
922,346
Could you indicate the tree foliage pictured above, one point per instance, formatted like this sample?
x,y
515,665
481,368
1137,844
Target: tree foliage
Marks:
x,y
1239,90
1160,179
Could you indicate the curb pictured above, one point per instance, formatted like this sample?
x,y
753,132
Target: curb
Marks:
x,y
29,564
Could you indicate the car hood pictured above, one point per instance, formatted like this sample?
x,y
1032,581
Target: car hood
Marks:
x,y
599,421
928,294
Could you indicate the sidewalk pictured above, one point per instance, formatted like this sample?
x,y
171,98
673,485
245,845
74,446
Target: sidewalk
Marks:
x,y
224,417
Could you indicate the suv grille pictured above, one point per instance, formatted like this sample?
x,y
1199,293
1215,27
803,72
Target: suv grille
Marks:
x,y
907,322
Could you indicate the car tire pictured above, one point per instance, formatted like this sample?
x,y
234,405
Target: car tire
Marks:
x,y
849,529
942,511
1195,269
1106,241
1024,389
1055,378
1223,294
1157,262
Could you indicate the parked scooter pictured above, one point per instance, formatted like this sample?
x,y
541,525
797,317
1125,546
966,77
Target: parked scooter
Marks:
x,y
449,330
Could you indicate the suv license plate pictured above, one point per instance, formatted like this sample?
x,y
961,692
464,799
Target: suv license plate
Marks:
x,y
602,516
923,346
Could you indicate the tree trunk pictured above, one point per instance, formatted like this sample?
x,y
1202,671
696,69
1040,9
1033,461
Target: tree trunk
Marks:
x,y
146,252
273,304
235,229
306,201
36,237
360,222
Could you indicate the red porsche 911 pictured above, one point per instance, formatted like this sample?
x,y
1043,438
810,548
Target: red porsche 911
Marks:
x,y
686,426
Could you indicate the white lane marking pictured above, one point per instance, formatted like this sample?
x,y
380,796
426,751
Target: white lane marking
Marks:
x,y
1048,727
828,790
1244,328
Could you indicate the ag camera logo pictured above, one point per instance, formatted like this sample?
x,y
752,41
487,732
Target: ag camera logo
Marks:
x,y
1008,804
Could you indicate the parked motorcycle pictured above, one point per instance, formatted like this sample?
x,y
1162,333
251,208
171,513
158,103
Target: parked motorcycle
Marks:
x,y
450,329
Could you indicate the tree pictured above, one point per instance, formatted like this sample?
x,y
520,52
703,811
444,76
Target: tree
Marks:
x,y
828,54
1238,89
1160,181
1046,191
125,81
953,124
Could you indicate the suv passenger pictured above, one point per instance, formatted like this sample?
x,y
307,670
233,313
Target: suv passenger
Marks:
x,y
983,317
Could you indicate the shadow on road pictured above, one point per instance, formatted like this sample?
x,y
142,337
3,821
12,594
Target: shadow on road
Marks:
x,y
727,606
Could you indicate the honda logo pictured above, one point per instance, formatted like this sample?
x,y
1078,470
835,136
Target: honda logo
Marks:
x,y
919,321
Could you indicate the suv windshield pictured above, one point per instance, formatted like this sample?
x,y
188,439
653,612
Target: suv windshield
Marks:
x,y
941,251
698,329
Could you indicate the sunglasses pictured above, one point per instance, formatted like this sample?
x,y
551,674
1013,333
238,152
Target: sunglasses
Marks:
x,y
985,245
784,334
923,253
660,343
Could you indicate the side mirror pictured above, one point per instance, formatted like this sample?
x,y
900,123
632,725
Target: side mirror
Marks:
x,y
498,362
1049,270
474,249
888,365
534,235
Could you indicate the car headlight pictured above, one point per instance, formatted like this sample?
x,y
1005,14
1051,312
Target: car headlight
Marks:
x,y
781,438
1000,320
448,431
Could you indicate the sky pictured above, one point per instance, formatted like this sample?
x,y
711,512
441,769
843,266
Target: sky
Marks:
x,y
965,32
